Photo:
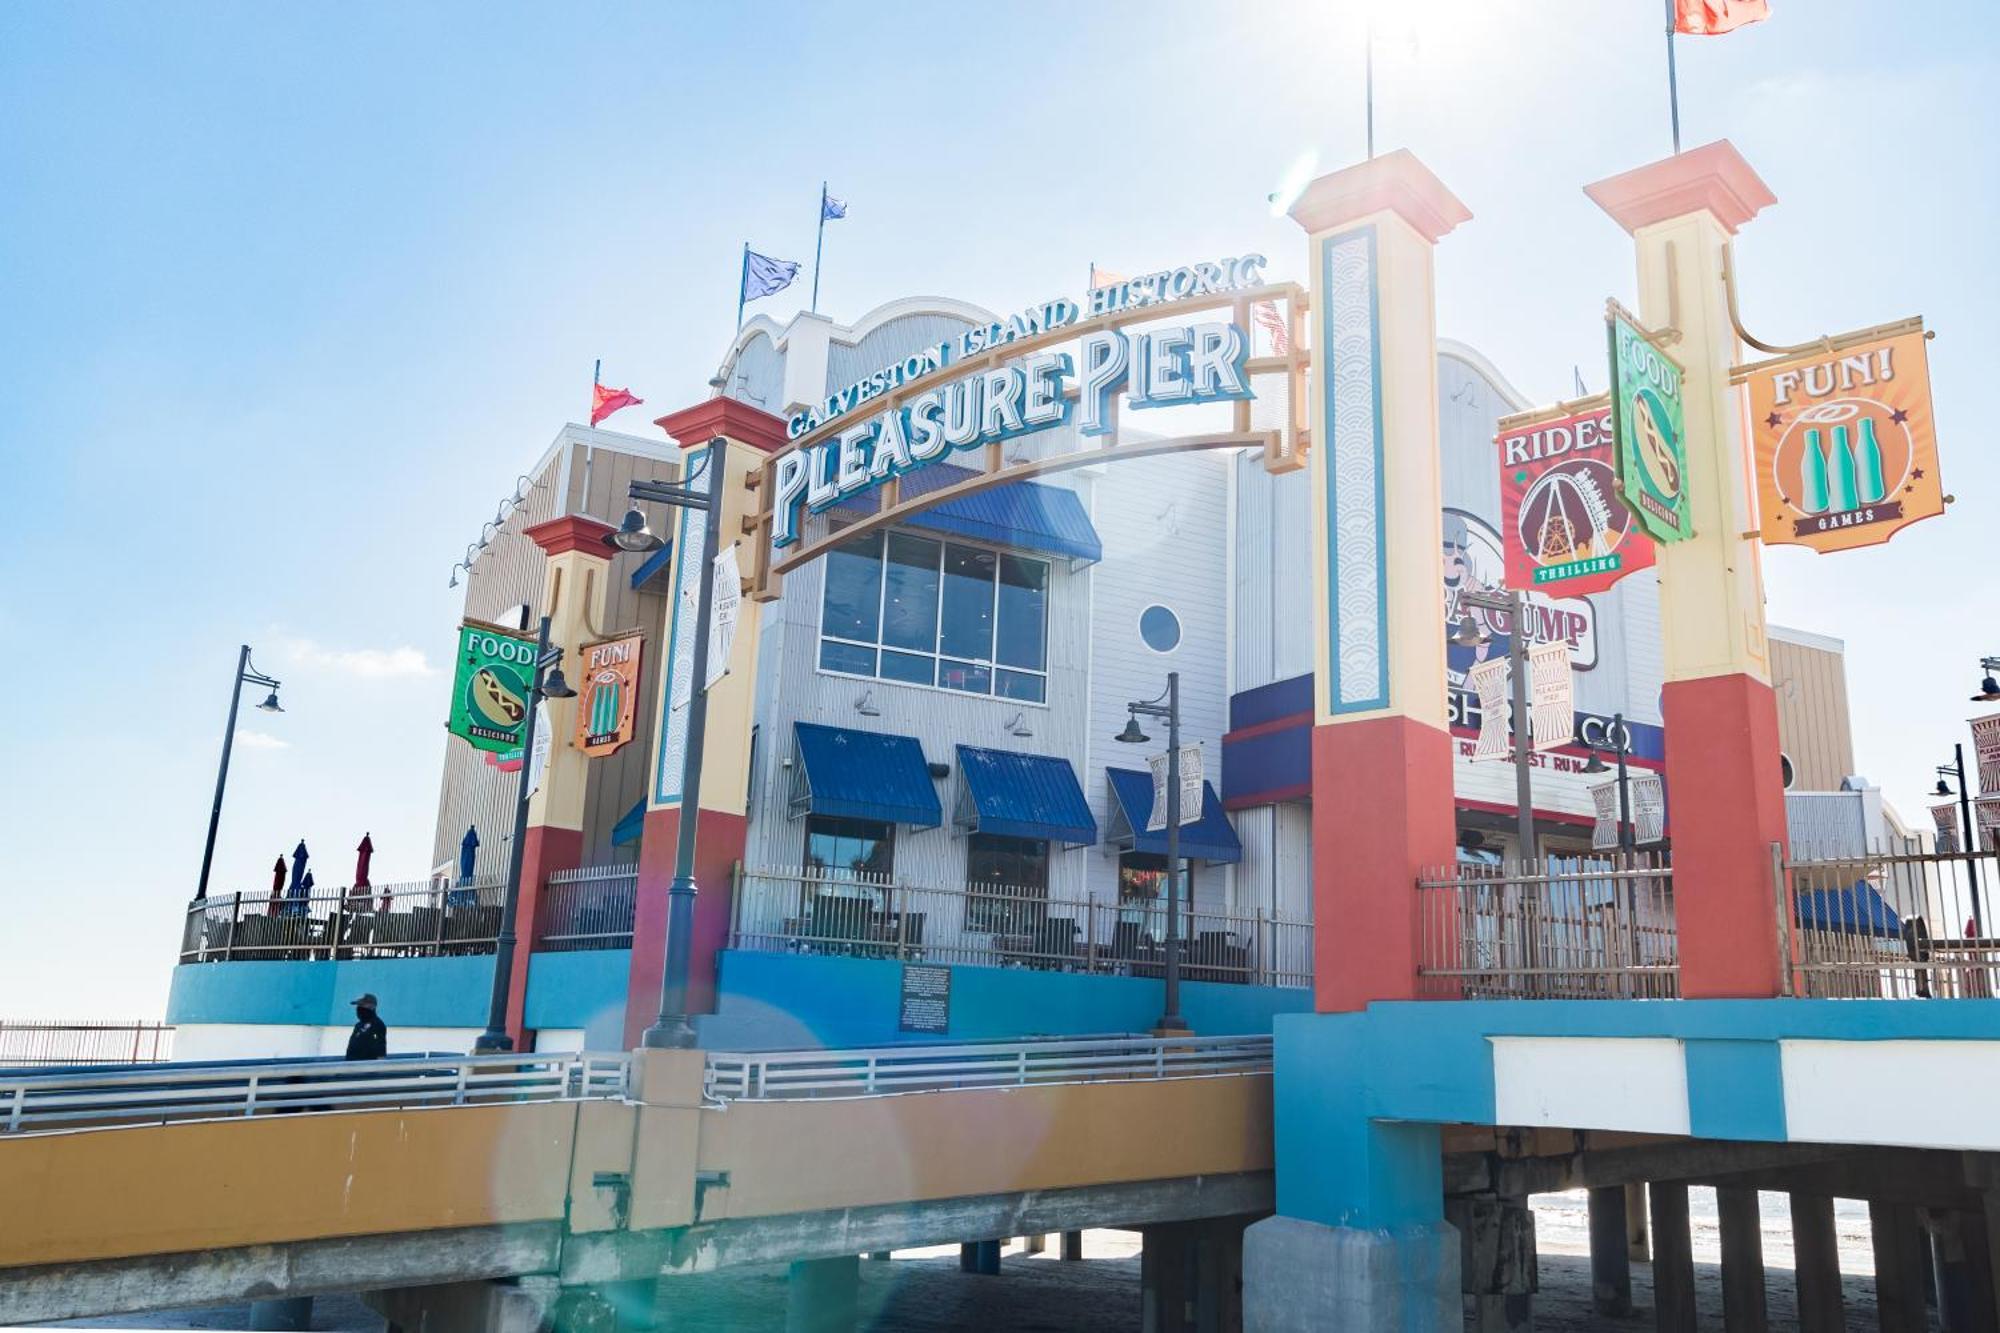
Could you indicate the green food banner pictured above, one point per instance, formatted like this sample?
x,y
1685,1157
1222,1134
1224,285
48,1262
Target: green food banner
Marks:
x,y
1650,428
489,691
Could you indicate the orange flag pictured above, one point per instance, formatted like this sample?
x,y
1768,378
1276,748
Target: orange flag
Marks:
x,y
605,400
1710,18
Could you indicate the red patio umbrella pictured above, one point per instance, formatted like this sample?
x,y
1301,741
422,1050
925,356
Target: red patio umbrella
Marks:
x,y
363,854
278,870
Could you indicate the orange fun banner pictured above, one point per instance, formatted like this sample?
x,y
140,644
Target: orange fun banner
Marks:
x,y
606,710
1843,441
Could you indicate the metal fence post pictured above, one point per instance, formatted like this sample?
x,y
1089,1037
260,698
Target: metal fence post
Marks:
x,y
235,915
1785,961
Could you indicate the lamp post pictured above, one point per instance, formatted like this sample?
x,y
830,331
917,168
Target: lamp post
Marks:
x,y
1470,635
672,1028
245,675
1618,741
1946,773
548,684
1167,706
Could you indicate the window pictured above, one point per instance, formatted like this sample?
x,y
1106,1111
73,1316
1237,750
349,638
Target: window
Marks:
x,y
1160,628
1786,774
1007,883
838,848
926,612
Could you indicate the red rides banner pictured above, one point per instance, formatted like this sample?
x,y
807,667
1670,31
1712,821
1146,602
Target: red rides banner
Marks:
x,y
1564,529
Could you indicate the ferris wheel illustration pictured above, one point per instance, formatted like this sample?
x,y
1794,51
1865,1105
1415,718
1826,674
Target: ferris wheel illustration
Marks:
x,y
1566,514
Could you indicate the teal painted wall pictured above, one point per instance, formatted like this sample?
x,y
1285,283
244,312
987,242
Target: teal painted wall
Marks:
x,y
584,990
415,992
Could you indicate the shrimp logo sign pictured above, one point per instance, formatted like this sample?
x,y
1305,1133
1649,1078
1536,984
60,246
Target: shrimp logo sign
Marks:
x,y
1647,420
1564,527
607,711
1843,442
489,694
1472,564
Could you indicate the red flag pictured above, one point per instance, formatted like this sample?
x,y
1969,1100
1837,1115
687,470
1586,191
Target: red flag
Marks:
x,y
1710,18
606,400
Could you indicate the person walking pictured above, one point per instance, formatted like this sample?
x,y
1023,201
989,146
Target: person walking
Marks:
x,y
370,1038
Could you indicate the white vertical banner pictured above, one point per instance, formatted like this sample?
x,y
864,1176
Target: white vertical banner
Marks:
x,y
1986,749
1191,780
1551,706
1986,818
538,757
1649,807
1945,816
1488,680
1604,799
722,612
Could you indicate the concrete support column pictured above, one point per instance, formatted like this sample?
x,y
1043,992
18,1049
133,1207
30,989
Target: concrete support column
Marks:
x,y
1816,1246
980,1256
822,1295
1610,1259
721,822
1381,753
1072,1246
292,1312
1497,1271
1673,1258
574,583
1902,1252
1723,782
1962,1250
1034,1244
1191,1277
1638,1232
1743,1303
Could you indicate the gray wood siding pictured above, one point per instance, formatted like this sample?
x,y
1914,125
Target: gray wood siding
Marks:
x,y
1813,726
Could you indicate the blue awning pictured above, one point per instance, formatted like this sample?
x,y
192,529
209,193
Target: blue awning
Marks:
x,y
1025,515
1209,838
1856,910
1022,796
630,825
653,567
863,775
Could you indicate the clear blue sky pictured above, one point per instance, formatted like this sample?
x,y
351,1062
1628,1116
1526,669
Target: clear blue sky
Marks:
x,y
291,294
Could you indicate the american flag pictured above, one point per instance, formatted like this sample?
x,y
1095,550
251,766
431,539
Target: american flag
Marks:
x,y
1267,316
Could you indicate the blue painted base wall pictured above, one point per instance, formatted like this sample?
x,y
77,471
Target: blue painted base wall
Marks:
x,y
415,992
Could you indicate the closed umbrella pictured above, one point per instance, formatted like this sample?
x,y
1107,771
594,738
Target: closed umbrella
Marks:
x,y
468,850
277,887
363,854
298,885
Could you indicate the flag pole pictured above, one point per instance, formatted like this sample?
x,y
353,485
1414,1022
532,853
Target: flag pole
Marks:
x,y
742,285
1369,43
596,378
1673,82
819,245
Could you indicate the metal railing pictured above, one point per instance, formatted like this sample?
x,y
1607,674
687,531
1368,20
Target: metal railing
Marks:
x,y
1598,927
587,908
990,925
785,1075
419,919
1900,923
206,1092
27,1043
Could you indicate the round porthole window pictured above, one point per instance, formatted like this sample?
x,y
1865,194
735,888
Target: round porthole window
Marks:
x,y
1160,628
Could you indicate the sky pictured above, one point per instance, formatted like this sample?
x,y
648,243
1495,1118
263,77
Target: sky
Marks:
x,y
292,293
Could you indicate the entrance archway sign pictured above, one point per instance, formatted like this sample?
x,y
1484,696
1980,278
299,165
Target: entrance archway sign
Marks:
x,y
1132,346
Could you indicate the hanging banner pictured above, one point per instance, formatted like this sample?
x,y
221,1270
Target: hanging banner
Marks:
x,y
538,756
722,612
607,708
1649,425
1649,807
1945,816
1986,749
490,687
1191,780
1489,681
1843,442
1604,801
1986,818
1551,703
1565,528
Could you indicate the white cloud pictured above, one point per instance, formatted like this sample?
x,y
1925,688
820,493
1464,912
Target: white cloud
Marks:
x,y
364,663
260,740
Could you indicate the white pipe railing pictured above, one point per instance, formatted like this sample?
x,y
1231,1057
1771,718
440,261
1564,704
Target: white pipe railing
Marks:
x,y
877,1071
208,1092
33,1042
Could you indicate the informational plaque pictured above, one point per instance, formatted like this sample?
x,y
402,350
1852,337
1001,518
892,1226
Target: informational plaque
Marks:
x,y
926,998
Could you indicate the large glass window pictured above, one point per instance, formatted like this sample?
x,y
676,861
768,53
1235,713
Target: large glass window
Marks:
x,y
1007,880
839,848
930,612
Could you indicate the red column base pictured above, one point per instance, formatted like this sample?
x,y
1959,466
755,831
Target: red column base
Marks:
x,y
718,845
1382,812
544,850
1726,801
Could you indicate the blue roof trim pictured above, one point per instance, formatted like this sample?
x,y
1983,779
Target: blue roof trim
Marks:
x,y
1025,515
865,775
654,564
630,825
1023,796
1210,838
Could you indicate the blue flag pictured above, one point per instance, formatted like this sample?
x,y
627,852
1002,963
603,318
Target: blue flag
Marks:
x,y
830,207
763,275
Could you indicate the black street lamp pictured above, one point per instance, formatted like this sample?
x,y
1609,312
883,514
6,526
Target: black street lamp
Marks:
x,y
1989,687
245,675
1470,635
548,684
672,1029
1170,709
1947,773
1617,741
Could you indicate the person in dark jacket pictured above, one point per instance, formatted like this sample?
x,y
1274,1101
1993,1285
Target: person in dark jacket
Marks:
x,y
370,1038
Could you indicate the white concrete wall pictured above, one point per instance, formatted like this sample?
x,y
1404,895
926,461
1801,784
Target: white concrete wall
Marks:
x,y
277,1041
